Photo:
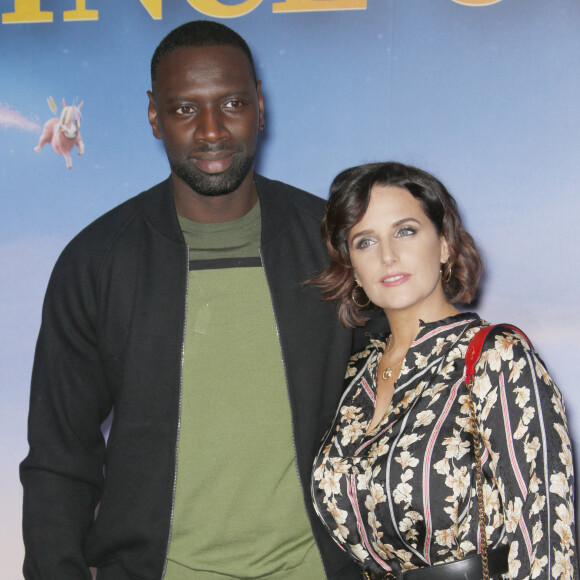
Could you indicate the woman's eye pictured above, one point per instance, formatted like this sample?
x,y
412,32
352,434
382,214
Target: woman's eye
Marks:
x,y
405,231
363,243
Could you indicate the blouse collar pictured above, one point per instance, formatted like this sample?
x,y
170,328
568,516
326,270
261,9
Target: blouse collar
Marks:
x,y
433,339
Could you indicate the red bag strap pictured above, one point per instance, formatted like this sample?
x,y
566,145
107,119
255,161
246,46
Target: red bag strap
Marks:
x,y
476,345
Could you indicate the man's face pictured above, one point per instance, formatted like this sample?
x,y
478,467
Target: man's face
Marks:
x,y
207,110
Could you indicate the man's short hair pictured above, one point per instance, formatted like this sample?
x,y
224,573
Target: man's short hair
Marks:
x,y
196,34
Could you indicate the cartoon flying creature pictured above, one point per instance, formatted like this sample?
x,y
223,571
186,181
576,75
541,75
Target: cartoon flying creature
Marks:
x,y
63,132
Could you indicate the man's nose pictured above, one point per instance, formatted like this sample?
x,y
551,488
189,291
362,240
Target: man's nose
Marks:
x,y
210,126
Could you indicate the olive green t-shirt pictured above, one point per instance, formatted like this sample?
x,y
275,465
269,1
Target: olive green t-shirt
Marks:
x,y
239,510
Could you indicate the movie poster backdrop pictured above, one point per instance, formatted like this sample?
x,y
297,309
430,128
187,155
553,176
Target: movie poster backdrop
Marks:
x,y
484,94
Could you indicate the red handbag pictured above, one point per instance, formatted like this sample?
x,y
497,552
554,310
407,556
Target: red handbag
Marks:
x,y
471,357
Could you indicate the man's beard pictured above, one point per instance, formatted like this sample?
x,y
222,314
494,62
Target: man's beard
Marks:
x,y
213,185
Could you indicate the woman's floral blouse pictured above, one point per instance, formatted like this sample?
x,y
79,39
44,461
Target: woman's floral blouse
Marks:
x,y
404,495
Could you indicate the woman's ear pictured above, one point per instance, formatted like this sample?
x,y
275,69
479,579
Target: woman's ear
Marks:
x,y
444,250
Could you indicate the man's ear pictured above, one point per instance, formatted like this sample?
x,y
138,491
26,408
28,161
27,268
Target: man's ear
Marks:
x,y
152,112
261,121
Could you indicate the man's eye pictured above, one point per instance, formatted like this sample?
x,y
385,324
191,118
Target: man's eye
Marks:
x,y
233,105
184,110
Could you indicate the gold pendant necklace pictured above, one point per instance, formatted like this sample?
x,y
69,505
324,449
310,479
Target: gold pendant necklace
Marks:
x,y
388,372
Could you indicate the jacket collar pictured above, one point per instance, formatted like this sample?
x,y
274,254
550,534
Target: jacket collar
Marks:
x,y
158,207
274,207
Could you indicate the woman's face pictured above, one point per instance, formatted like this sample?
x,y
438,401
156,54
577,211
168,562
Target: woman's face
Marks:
x,y
397,254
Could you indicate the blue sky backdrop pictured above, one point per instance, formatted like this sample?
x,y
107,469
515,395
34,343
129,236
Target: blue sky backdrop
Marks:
x,y
485,97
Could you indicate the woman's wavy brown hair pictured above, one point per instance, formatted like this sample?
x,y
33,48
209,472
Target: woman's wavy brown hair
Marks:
x,y
348,202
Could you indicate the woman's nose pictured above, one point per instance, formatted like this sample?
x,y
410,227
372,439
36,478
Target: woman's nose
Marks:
x,y
388,254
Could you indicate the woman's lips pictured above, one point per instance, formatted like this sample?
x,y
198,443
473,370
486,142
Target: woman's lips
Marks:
x,y
395,279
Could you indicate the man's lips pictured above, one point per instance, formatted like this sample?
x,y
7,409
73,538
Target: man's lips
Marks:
x,y
395,279
213,161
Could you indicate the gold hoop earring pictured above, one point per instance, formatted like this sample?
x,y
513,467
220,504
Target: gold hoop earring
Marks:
x,y
446,276
353,296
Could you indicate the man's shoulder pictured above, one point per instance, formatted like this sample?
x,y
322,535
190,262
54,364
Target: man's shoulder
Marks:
x,y
280,194
126,210
100,235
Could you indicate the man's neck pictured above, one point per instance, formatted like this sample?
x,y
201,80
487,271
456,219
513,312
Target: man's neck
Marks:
x,y
221,208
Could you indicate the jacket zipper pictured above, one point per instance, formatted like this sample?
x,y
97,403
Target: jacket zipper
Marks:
x,y
171,516
292,412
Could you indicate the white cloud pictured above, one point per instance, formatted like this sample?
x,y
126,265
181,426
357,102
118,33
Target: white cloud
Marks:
x,y
10,119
